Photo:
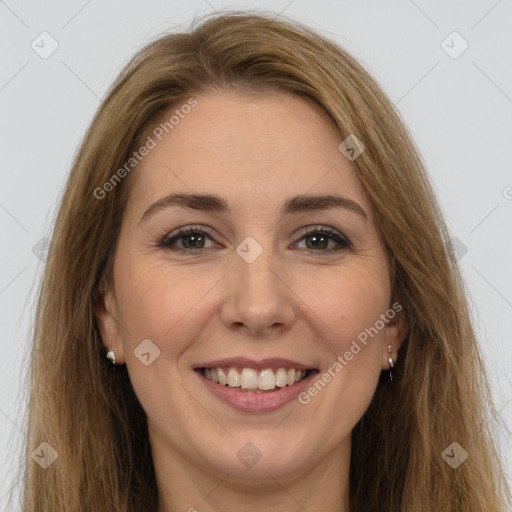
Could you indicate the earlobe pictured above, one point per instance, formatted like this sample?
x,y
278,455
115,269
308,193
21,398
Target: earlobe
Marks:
x,y
395,334
105,311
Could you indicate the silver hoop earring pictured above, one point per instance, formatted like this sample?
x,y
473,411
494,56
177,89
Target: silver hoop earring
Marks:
x,y
111,356
391,365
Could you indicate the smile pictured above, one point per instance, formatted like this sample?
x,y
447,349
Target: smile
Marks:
x,y
252,380
255,386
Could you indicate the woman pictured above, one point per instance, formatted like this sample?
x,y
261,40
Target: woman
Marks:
x,y
250,300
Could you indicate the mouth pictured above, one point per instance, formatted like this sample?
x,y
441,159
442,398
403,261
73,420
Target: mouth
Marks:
x,y
255,386
252,380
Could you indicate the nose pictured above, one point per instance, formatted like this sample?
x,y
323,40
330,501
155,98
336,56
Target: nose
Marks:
x,y
258,298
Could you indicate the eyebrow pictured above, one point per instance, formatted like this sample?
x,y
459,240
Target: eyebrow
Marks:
x,y
217,204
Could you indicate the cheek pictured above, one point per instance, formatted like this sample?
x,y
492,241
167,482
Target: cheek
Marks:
x,y
351,301
159,302
350,312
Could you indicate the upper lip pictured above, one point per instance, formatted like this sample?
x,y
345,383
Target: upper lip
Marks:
x,y
257,364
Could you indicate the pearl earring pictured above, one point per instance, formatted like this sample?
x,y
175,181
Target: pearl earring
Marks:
x,y
111,356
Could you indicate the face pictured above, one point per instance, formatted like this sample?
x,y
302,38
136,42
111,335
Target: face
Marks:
x,y
262,284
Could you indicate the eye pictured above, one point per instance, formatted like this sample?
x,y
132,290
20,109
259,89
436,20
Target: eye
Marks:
x,y
191,240
321,236
191,237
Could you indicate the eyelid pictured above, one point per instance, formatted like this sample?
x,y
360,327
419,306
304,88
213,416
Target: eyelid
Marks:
x,y
331,232
343,242
176,234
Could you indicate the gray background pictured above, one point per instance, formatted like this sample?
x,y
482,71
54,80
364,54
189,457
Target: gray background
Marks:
x,y
458,110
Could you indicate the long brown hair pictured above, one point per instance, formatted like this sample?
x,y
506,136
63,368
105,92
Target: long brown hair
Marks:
x,y
88,412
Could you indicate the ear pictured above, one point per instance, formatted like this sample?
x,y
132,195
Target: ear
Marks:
x,y
105,310
395,333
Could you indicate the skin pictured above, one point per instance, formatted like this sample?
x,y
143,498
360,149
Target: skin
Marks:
x,y
256,152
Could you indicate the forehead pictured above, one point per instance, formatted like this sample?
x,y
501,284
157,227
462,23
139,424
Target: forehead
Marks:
x,y
256,148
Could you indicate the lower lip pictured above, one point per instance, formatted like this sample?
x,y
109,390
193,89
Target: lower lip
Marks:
x,y
257,402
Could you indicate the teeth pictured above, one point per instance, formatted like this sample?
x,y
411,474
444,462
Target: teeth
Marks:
x,y
233,378
266,380
223,378
281,378
250,379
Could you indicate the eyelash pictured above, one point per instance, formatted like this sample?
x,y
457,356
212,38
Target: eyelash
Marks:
x,y
167,239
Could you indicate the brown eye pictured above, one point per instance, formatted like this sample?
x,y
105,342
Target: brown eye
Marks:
x,y
185,240
192,239
318,239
